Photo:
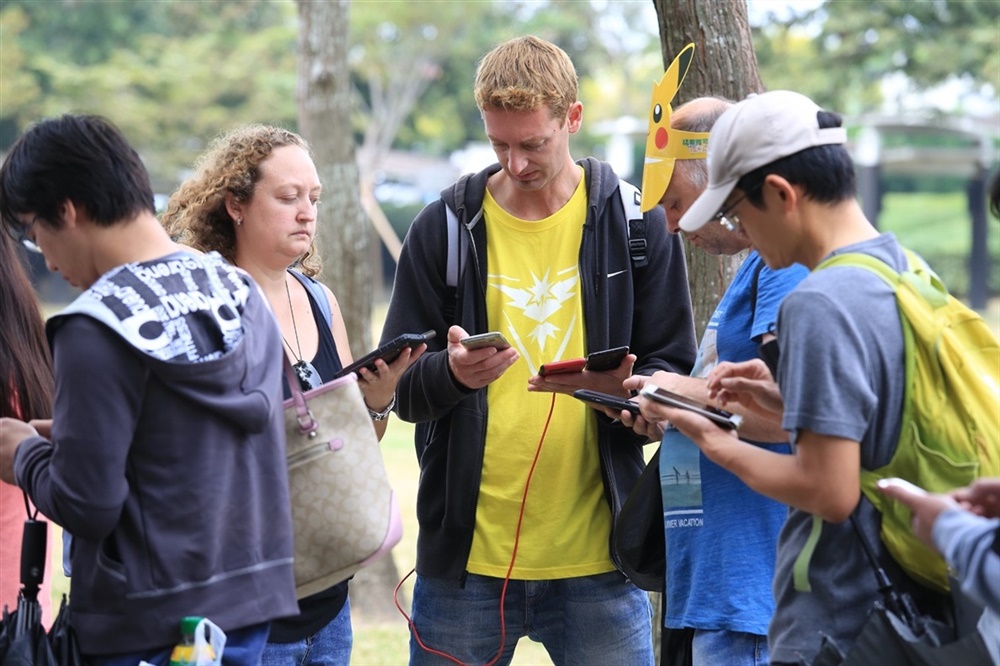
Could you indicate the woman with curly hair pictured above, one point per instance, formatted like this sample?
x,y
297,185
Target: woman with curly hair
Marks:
x,y
254,199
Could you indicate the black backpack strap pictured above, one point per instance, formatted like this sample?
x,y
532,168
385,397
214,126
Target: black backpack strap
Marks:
x,y
456,251
631,199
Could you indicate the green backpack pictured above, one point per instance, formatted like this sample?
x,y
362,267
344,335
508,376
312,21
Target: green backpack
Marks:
x,y
950,432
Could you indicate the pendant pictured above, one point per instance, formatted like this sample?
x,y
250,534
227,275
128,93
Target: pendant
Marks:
x,y
308,377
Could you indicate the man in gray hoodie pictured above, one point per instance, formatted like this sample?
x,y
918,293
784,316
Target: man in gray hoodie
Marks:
x,y
165,455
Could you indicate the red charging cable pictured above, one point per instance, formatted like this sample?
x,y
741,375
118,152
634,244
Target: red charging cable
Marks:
x,y
513,557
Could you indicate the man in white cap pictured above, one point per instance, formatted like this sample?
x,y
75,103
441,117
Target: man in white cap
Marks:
x,y
720,535
779,174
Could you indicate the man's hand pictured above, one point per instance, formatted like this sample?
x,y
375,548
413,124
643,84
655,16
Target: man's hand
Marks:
x,y
748,383
12,433
476,368
982,497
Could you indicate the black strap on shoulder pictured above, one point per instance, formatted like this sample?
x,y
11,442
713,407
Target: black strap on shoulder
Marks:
x,y
454,255
631,202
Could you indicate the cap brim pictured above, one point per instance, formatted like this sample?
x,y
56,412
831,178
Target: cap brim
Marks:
x,y
706,206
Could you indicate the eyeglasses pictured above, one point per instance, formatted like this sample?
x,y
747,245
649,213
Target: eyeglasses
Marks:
x,y
20,234
727,218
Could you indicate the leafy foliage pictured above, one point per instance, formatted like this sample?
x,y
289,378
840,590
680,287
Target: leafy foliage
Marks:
x,y
839,52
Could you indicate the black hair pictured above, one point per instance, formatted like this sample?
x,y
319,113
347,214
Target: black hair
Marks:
x,y
81,158
826,173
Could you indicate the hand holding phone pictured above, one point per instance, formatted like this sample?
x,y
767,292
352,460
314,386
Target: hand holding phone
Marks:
x,y
492,339
718,416
387,352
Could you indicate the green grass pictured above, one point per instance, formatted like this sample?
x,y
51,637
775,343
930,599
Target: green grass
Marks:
x,y
938,227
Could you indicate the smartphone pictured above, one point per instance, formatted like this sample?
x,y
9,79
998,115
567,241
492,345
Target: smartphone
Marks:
x,y
491,339
387,352
720,417
901,483
557,367
609,359
607,400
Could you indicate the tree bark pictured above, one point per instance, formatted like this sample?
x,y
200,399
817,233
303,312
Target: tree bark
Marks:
x,y
724,65
324,99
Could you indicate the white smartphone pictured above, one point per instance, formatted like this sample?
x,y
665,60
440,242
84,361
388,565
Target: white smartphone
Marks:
x,y
895,481
491,339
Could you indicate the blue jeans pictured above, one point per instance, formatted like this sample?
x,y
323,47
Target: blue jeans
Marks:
x,y
735,648
243,648
330,646
601,619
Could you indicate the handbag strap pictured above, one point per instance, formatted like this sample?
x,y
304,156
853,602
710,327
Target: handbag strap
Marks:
x,y
304,416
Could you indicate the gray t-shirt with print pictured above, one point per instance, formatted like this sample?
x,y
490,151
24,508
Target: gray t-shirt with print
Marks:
x,y
841,374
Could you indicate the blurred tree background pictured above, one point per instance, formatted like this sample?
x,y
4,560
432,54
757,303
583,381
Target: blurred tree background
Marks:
x,y
174,74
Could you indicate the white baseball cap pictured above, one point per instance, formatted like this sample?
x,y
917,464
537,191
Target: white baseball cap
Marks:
x,y
758,131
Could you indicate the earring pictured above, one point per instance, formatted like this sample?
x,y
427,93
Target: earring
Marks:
x,y
239,221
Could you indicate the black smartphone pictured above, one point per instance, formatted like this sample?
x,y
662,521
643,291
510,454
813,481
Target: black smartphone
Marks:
x,y
491,339
609,359
720,417
607,400
387,352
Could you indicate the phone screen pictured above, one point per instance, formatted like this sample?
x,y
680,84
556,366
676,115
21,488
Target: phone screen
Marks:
x,y
719,416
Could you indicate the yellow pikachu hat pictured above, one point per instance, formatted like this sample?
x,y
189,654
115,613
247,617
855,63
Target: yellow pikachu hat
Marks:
x,y
663,143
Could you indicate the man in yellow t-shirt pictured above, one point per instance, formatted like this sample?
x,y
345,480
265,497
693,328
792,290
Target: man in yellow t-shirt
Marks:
x,y
538,247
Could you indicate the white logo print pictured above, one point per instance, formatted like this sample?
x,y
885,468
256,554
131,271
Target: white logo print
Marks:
x,y
539,302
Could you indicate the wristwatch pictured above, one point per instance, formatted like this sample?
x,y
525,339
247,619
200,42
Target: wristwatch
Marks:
x,y
384,414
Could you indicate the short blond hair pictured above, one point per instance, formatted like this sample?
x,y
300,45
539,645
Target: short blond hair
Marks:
x,y
196,213
526,74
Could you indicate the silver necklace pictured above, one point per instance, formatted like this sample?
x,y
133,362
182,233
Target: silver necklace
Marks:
x,y
308,377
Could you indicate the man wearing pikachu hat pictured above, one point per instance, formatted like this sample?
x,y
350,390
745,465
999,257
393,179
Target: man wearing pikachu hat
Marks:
x,y
720,535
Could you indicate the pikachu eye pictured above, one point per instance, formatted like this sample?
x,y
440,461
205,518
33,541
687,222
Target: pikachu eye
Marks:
x,y
657,113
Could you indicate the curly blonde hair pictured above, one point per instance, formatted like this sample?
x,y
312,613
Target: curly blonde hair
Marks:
x,y
196,214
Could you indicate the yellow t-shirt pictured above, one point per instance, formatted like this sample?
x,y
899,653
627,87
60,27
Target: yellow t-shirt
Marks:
x,y
533,297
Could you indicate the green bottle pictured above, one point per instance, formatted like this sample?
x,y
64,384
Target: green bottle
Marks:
x,y
186,653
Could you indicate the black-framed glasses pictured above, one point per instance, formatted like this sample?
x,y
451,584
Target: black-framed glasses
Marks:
x,y
727,218
21,234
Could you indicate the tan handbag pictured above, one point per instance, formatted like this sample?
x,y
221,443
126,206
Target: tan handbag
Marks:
x,y
345,514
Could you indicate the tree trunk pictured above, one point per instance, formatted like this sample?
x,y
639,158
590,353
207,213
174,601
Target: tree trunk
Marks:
x,y
324,107
724,65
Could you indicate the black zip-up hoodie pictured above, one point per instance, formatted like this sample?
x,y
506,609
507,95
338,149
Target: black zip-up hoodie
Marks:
x,y
167,459
648,309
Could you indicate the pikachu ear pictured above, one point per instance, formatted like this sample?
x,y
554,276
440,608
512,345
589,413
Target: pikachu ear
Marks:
x,y
663,143
671,81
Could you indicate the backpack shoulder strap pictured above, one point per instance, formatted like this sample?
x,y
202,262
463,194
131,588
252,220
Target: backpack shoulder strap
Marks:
x,y
318,293
636,230
636,227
